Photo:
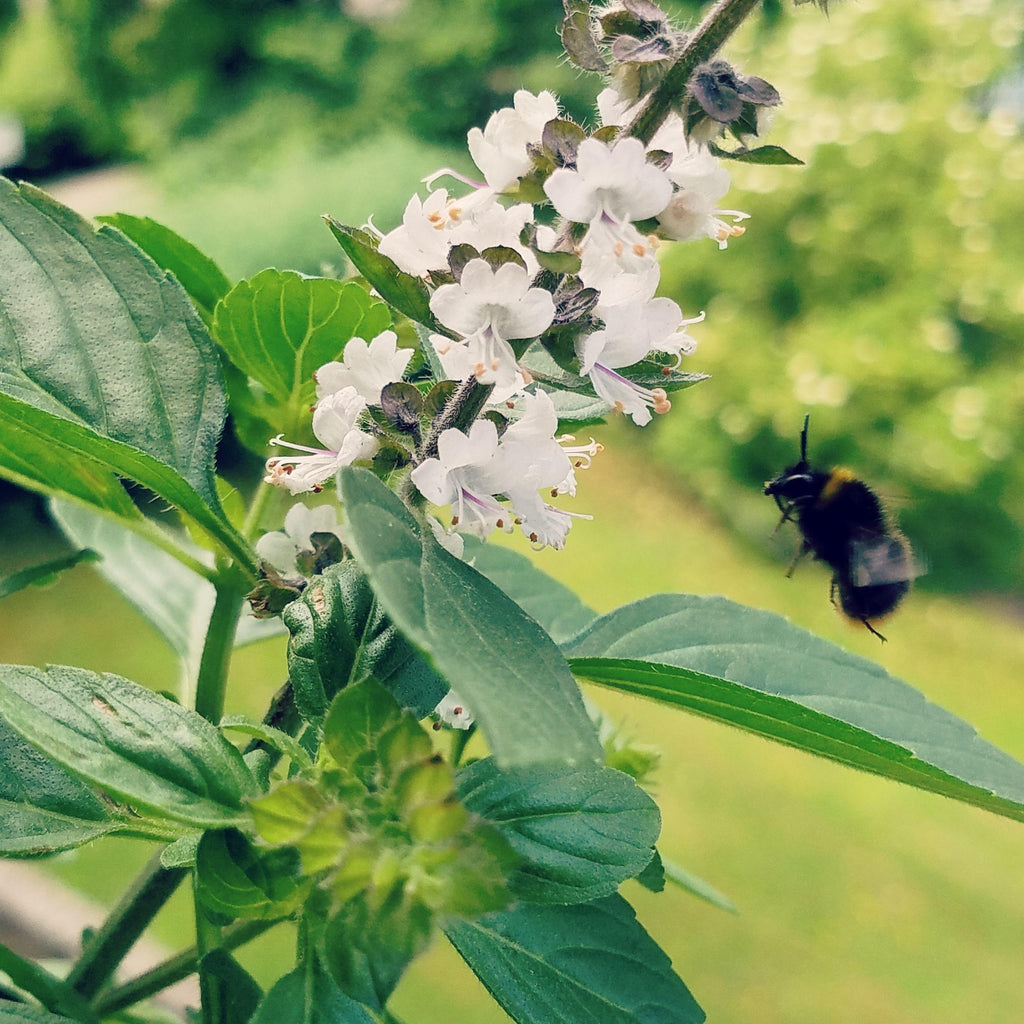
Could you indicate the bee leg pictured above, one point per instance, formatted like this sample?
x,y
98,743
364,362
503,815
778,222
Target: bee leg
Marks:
x,y
801,552
832,592
871,629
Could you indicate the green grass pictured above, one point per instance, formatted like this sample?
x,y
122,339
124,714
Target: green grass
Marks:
x,y
858,899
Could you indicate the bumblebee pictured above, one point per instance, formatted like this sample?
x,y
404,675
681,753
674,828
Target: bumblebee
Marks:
x,y
842,524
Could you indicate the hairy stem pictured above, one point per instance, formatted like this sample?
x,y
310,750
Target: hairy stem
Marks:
x,y
174,970
721,21
131,916
460,410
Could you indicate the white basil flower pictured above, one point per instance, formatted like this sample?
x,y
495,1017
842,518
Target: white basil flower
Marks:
x,y
367,367
282,547
500,150
496,303
334,424
612,182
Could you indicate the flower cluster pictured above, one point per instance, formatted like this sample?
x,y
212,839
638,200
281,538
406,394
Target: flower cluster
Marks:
x,y
533,313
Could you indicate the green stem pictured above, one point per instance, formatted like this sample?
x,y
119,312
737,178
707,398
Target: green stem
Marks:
x,y
459,411
56,995
171,971
722,20
126,922
220,639
261,499
209,936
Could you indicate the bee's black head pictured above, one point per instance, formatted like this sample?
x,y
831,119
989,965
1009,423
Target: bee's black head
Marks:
x,y
798,483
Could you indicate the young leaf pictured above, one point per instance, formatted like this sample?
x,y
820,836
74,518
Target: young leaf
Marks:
x,y
43,808
235,879
581,831
367,951
566,965
280,327
109,371
758,155
501,662
552,604
136,745
406,293
359,717
204,281
339,635
309,996
757,671
43,573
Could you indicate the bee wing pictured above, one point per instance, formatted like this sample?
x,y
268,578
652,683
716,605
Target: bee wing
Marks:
x,y
882,558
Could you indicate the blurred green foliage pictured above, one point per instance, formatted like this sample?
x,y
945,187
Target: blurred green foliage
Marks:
x,y
880,289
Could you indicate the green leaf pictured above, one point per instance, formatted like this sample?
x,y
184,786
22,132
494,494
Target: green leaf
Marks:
x,y
586,964
309,996
287,745
757,671
175,600
43,808
580,831
204,281
18,1013
758,155
367,951
132,743
241,994
359,717
552,604
406,293
108,370
280,327
506,668
235,879
182,852
43,573
340,635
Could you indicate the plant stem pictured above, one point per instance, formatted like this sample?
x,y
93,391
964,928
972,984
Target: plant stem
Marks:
x,y
209,936
261,499
721,21
56,995
174,970
459,411
126,922
220,638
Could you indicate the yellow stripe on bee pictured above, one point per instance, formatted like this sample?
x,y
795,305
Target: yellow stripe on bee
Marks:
x,y
837,480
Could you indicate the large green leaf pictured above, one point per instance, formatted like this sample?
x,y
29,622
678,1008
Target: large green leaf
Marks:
x,y
500,661
175,600
552,604
43,808
204,281
107,369
339,635
132,743
280,327
586,964
581,831
756,670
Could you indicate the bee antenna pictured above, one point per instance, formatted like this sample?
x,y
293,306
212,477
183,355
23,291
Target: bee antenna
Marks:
x,y
803,439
